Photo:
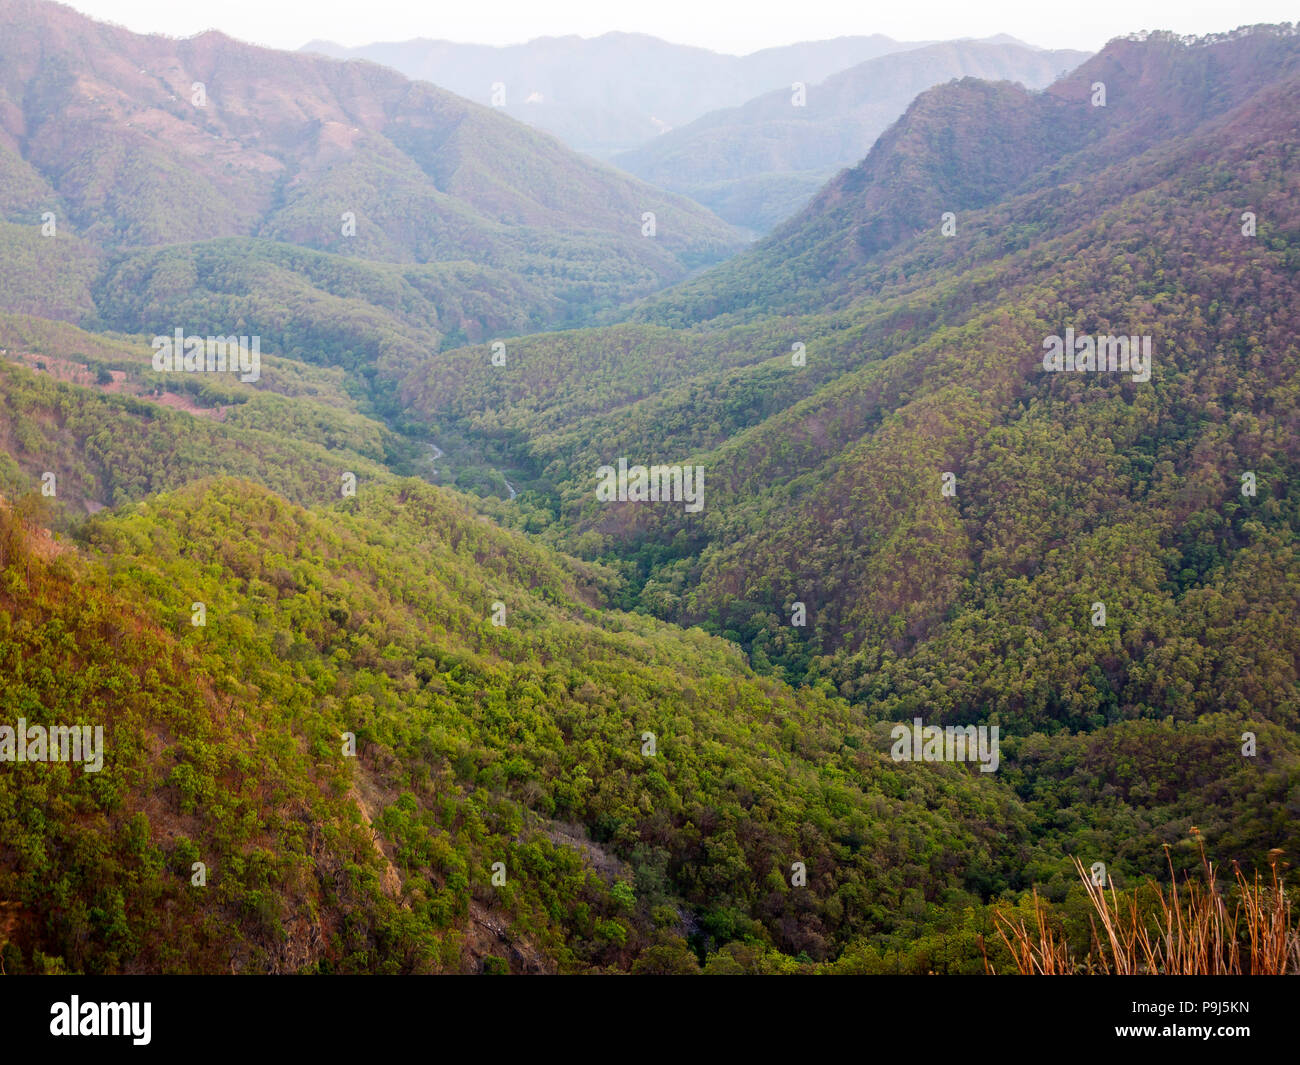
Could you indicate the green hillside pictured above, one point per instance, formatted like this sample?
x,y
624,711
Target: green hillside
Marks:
x,y
475,743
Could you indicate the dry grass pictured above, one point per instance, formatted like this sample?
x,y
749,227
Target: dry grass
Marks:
x,y
1184,931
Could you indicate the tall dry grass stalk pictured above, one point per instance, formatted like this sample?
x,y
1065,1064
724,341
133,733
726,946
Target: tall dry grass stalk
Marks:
x,y
1181,932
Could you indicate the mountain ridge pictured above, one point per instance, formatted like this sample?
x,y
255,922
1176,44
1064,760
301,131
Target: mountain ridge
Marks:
x,y
733,158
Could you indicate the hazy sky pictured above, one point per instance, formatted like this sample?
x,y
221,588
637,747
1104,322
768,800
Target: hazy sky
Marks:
x,y
723,25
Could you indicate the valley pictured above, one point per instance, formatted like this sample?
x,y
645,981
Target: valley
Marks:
x,y
404,612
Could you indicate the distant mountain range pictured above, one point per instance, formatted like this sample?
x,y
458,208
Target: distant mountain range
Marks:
x,y
755,165
612,93
751,137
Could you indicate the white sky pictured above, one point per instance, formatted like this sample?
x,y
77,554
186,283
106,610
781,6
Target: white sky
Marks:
x,y
723,25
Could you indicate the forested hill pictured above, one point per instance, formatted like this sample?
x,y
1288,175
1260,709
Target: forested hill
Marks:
x,y
572,789
307,181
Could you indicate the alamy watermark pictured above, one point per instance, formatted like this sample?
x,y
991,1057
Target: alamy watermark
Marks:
x,y
58,743
215,354
77,1018
1089,354
951,743
652,484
